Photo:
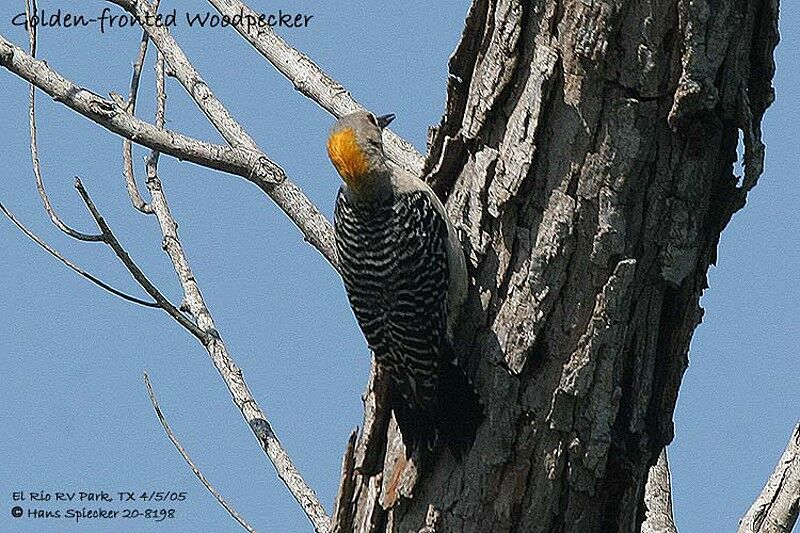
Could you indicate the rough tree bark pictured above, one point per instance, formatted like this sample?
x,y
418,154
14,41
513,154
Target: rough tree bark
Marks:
x,y
587,156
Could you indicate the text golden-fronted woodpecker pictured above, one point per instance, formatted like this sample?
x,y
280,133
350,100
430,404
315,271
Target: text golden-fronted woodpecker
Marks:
x,y
405,276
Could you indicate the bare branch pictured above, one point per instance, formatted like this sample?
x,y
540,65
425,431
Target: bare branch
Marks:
x,y
230,372
136,75
288,196
106,235
107,114
658,498
776,508
55,253
190,78
127,146
178,446
161,106
310,80
30,7
111,240
253,166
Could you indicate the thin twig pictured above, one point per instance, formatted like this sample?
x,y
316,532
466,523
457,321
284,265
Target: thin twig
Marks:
x,y
30,7
111,240
253,166
215,346
161,106
246,160
127,145
190,78
178,446
136,75
55,253
288,196
309,79
106,235
110,116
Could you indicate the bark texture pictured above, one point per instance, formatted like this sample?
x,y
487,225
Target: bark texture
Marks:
x,y
586,155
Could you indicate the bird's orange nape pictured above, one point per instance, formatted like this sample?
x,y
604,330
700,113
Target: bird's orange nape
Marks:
x,y
346,156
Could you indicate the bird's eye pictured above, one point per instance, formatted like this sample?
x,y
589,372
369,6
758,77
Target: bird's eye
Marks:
x,y
372,119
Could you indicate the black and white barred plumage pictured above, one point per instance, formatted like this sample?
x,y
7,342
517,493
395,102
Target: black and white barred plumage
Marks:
x,y
406,278
394,265
393,259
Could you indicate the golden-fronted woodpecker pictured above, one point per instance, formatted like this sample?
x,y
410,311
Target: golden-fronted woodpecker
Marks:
x,y
406,279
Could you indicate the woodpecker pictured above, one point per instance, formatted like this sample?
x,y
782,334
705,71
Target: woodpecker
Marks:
x,y
406,280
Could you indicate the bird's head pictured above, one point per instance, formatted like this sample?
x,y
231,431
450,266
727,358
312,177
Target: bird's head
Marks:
x,y
355,148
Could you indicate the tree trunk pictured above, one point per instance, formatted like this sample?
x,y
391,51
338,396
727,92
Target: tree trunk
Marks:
x,y
587,157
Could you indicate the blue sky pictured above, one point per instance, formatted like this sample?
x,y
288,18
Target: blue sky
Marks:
x,y
76,416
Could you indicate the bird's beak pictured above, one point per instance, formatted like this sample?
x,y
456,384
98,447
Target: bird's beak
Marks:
x,y
384,120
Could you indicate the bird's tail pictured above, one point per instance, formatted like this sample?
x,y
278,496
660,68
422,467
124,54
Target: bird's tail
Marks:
x,y
417,426
460,410
454,416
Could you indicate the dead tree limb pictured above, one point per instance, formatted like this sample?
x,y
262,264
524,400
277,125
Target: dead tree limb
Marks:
x,y
127,145
658,498
202,327
250,165
30,7
70,264
230,372
777,507
197,472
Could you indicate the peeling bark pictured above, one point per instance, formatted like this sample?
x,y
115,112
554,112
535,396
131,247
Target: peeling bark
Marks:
x,y
586,154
